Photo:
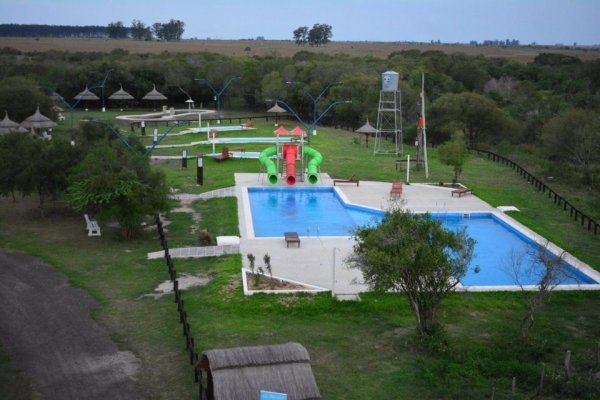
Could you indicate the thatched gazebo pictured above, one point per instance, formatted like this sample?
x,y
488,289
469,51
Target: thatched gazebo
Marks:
x,y
242,372
38,121
154,95
121,96
276,110
368,130
7,125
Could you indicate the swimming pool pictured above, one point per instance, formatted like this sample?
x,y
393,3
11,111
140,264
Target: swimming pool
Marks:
x,y
321,212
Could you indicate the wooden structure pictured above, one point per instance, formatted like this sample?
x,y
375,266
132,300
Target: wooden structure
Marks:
x,y
462,191
396,188
353,180
291,237
242,372
225,154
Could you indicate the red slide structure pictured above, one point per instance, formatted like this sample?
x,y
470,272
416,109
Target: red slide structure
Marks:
x,y
290,152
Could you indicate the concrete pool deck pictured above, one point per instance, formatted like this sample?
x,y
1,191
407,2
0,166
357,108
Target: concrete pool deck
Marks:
x,y
320,260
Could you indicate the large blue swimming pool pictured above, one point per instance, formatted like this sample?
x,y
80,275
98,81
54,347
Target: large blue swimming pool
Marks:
x,y
320,212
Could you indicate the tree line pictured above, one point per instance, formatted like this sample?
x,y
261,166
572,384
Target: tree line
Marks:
x,y
318,35
138,30
37,30
546,108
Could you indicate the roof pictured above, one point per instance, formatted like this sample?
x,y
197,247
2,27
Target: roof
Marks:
x,y
366,128
242,372
120,95
37,120
86,95
154,95
276,109
7,125
281,131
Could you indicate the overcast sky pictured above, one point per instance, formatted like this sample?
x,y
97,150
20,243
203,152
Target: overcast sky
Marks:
x,y
540,21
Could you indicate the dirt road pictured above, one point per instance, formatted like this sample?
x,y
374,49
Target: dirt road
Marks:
x,y
46,328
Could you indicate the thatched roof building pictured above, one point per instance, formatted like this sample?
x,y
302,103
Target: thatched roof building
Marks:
x,y
242,372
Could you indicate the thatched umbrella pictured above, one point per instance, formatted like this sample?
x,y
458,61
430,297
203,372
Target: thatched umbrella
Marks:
x,y
368,130
7,125
38,121
86,95
276,109
154,95
242,372
120,95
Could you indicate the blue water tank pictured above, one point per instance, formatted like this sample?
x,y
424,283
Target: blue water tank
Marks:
x,y
389,81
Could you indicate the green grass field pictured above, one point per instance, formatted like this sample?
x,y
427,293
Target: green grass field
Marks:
x,y
358,350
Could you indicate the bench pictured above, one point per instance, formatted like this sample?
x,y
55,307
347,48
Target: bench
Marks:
x,y
92,226
353,180
396,188
462,191
291,237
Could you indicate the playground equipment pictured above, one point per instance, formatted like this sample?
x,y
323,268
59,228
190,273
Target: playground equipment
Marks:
x,y
289,153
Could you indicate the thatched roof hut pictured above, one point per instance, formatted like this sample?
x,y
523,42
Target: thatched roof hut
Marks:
x,y
242,372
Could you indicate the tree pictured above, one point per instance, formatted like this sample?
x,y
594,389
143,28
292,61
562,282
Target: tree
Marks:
x,y
454,153
118,183
301,35
554,272
21,96
116,30
473,114
172,30
414,254
319,34
574,137
139,30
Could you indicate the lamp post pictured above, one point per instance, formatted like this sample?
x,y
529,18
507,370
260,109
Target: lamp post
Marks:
x,y
72,107
316,121
315,100
218,93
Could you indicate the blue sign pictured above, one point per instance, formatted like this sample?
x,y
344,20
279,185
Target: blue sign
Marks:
x,y
264,395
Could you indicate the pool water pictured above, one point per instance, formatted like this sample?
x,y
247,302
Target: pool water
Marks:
x,y
320,212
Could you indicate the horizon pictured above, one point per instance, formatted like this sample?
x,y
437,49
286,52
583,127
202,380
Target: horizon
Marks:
x,y
541,22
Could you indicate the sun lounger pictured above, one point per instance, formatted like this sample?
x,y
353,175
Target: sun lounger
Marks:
x,y
291,237
92,226
353,180
224,155
396,189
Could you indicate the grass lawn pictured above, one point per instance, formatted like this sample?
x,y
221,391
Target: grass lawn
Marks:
x,y
358,350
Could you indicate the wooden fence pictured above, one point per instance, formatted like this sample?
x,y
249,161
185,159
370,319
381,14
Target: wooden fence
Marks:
x,y
183,319
577,215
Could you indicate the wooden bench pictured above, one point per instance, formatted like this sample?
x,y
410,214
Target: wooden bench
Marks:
x,y
291,237
92,226
462,191
353,180
396,188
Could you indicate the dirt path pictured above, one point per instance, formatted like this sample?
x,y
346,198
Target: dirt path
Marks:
x,y
46,328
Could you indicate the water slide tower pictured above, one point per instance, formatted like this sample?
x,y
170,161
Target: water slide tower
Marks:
x,y
388,138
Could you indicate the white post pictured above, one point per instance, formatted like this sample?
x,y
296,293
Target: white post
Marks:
x,y
199,121
208,131
333,274
155,135
407,168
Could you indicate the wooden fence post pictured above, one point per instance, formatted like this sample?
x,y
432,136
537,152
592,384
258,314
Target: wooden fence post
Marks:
x,y
513,388
568,364
542,377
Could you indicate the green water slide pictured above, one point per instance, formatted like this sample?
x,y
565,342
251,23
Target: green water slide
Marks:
x,y
265,159
315,159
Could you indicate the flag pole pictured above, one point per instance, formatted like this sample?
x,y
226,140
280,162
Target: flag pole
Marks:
x,y
424,126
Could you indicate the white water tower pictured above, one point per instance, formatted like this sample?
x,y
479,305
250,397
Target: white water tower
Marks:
x,y
388,138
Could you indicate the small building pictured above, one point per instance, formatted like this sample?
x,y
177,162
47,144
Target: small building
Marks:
x,y
242,372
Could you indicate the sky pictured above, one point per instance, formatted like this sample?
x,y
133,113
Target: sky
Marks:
x,y
450,21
